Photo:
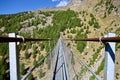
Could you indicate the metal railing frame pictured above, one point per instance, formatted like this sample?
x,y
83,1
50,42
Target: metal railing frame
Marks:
x,y
109,41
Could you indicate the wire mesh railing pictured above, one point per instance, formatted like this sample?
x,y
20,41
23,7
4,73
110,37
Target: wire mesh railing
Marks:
x,y
85,67
48,60
78,69
71,60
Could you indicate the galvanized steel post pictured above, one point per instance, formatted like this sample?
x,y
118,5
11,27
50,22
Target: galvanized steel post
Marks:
x,y
109,58
13,59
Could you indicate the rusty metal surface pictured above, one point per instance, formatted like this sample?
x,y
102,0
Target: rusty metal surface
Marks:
x,y
12,39
102,39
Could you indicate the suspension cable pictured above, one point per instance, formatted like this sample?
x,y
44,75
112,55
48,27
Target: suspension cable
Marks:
x,y
86,66
32,69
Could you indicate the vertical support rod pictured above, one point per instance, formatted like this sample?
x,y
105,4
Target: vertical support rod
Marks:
x,y
50,55
13,59
109,58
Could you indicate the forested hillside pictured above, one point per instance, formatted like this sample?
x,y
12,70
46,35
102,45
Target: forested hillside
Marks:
x,y
78,21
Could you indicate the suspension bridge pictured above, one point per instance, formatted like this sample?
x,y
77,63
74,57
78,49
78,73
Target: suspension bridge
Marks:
x,y
62,65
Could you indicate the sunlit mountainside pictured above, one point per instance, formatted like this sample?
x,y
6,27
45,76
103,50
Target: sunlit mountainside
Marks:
x,y
79,19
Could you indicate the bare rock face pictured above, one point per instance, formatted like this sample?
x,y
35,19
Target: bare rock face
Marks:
x,y
76,3
117,4
2,29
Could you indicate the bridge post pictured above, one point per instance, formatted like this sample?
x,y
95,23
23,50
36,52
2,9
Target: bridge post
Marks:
x,y
109,58
13,59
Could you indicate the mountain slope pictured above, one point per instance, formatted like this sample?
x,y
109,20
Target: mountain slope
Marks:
x,y
79,19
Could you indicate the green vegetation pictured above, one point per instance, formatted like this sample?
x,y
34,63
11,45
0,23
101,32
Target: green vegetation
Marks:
x,y
40,58
73,31
3,49
4,65
4,73
92,78
13,23
80,44
66,19
118,34
34,62
118,31
82,71
22,69
27,55
61,21
100,68
93,21
117,75
34,54
46,13
30,77
69,36
35,22
95,55
42,46
41,73
109,7
68,44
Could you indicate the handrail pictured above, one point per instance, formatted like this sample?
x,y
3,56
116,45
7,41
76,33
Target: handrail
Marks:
x,y
15,39
21,39
101,39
